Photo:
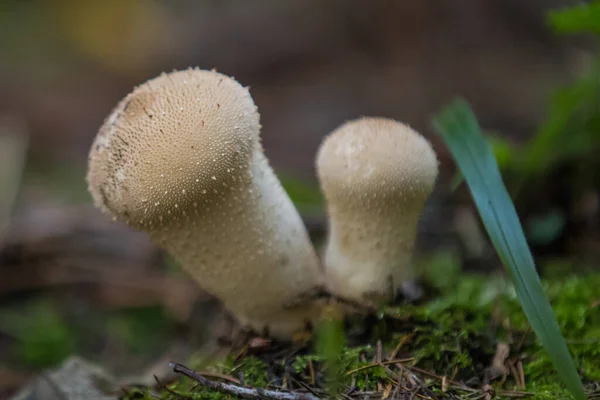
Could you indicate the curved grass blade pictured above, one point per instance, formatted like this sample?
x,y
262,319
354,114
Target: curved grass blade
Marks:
x,y
459,127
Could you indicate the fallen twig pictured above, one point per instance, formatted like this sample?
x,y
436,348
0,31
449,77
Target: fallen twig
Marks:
x,y
514,393
521,374
245,393
401,343
380,364
456,385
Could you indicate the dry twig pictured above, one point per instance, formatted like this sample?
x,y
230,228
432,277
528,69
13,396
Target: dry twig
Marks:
x,y
245,393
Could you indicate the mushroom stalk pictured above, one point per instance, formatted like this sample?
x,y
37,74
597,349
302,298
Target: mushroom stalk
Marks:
x,y
180,158
376,174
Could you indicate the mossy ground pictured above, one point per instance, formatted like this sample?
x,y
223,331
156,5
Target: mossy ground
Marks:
x,y
450,345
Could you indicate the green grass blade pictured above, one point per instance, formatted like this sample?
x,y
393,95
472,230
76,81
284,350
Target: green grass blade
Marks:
x,y
459,128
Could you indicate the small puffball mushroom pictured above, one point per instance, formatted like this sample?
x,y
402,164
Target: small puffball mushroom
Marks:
x,y
180,158
376,174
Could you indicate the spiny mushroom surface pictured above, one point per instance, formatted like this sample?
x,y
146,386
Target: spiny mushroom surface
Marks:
x,y
376,174
180,158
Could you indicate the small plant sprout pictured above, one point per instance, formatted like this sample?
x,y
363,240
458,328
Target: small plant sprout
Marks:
x,y
376,174
181,159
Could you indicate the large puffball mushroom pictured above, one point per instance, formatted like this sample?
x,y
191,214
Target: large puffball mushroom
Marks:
x,y
376,174
180,158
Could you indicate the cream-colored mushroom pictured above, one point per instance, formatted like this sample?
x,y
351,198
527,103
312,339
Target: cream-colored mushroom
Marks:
x,y
376,174
180,158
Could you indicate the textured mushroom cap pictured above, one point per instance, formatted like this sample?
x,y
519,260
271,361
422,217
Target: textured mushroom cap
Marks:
x,y
175,140
180,158
376,158
376,174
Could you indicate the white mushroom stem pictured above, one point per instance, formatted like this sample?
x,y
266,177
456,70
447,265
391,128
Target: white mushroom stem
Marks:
x,y
375,174
180,158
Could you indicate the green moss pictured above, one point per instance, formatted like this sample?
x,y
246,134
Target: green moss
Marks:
x,y
454,334
575,304
25,323
141,328
137,394
254,371
196,393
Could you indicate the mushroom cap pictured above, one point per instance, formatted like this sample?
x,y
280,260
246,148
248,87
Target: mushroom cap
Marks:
x,y
378,160
176,140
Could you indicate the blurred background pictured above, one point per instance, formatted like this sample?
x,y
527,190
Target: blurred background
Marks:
x,y
73,282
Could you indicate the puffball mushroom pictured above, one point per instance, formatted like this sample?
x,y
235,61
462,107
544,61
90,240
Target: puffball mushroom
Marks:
x,y
375,174
181,158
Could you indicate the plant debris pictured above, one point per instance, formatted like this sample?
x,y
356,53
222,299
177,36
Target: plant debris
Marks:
x,y
470,340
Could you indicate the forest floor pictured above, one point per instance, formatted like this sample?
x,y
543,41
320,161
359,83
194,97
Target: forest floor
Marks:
x,y
467,339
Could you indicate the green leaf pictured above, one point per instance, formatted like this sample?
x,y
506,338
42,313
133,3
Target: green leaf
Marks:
x,y
571,128
503,151
459,128
578,19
